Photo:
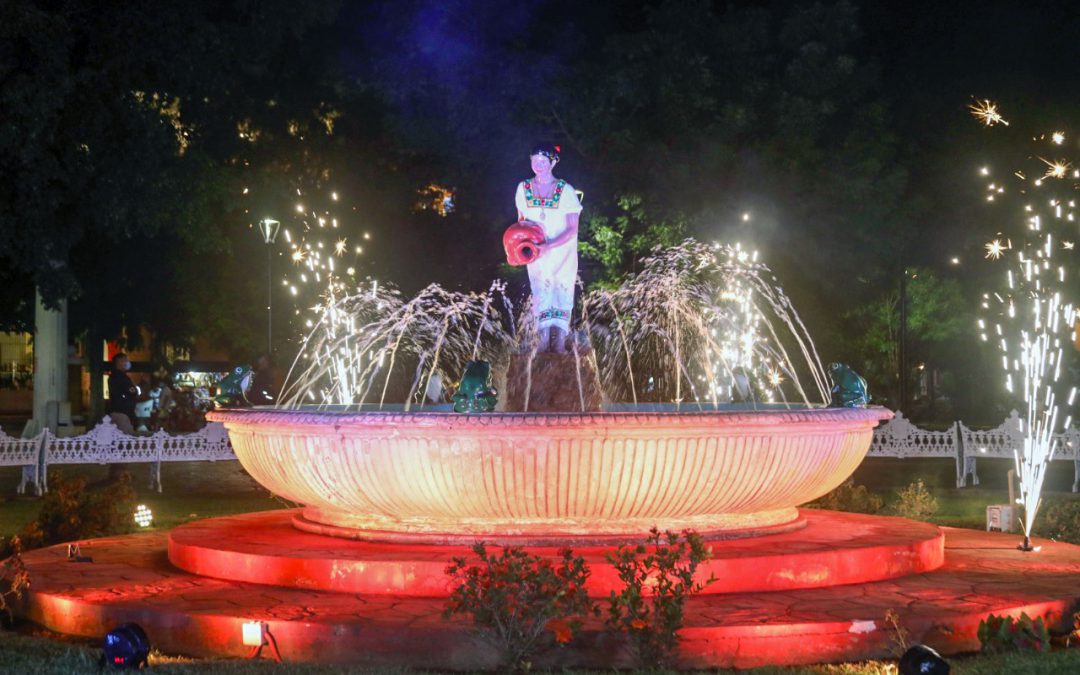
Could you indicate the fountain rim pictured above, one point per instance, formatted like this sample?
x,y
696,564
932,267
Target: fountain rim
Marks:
x,y
321,416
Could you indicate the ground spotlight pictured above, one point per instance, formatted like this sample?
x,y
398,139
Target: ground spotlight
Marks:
x,y
256,635
921,660
126,646
143,515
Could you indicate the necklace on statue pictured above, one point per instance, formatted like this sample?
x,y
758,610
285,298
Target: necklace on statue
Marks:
x,y
544,204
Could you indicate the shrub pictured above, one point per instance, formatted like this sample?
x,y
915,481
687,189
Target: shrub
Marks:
x,y
1059,520
69,512
851,497
656,585
899,642
1006,634
521,602
915,501
13,576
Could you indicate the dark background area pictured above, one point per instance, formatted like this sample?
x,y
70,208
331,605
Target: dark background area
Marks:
x,y
139,147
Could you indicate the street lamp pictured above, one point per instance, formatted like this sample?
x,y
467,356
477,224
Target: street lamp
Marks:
x,y
903,342
269,230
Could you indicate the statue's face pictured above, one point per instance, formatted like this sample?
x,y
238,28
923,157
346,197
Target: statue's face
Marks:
x,y
541,164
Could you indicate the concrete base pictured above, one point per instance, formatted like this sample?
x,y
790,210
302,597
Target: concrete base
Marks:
x,y
131,579
264,548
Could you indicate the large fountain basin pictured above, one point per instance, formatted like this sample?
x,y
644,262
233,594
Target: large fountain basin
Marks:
x,y
531,478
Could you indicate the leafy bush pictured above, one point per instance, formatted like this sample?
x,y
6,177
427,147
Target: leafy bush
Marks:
x,y
70,512
1059,520
915,501
13,576
852,498
1007,634
516,599
656,585
901,636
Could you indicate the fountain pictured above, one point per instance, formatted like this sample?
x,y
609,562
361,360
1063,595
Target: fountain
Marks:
x,y
576,476
696,400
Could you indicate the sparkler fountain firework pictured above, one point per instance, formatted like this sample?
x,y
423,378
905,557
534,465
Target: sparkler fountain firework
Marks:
x,y
1030,318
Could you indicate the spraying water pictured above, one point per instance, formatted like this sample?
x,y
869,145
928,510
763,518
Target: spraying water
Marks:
x,y
706,324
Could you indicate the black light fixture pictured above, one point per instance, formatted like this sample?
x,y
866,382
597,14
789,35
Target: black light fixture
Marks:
x,y
921,660
126,646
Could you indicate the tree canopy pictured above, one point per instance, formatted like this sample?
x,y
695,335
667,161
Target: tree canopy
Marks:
x,y
140,144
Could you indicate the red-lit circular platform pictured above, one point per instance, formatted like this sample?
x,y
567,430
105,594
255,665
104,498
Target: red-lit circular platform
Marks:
x,y
131,579
265,548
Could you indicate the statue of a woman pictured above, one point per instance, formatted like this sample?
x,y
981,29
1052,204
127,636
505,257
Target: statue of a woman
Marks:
x,y
551,204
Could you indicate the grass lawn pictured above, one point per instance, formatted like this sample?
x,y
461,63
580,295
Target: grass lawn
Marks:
x,y
192,490
44,656
957,507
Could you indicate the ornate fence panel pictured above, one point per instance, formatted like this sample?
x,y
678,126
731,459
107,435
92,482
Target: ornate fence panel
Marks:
x,y
24,452
900,438
209,444
1003,442
1068,448
105,444
1000,442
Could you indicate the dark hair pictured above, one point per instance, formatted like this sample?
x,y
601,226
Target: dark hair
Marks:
x,y
118,356
549,150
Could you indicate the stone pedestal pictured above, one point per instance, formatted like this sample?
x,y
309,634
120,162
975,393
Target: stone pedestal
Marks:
x,y
558,383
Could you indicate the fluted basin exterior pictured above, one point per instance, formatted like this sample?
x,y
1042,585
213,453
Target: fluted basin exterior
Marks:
x,y
548,478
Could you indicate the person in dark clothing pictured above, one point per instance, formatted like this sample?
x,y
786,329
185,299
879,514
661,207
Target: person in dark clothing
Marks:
x,y
262,390
122,391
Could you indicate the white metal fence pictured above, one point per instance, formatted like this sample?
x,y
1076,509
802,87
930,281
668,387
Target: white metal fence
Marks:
x,y
105,444
900,438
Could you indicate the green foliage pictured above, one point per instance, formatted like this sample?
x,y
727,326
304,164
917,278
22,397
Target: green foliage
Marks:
x,y
936,314
70,512
613,241
901,636
915,501
852,498
115,121
657,577
14,578
1059,519
999,634
517,599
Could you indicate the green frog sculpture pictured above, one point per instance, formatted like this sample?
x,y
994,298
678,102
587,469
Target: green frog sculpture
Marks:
x,y
475,394
230,390
849,389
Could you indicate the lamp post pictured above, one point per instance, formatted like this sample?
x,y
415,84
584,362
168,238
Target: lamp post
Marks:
x,y
903,342
269,230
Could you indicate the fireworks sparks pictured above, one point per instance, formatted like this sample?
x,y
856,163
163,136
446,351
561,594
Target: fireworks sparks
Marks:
x,y
1056,169
1032,319
986,112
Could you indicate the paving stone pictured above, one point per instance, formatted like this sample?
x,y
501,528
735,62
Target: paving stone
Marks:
x,y
132,580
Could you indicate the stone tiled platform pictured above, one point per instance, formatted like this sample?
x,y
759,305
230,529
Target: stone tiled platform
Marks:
x,y
131,579
832,549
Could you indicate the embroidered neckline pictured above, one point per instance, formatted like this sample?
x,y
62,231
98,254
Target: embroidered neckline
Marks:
x,y
554,313
552,203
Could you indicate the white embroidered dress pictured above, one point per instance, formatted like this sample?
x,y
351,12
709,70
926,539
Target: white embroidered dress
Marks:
x,y
553,275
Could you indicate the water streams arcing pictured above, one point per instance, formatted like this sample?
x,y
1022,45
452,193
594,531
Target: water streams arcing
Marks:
x,y
698,325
